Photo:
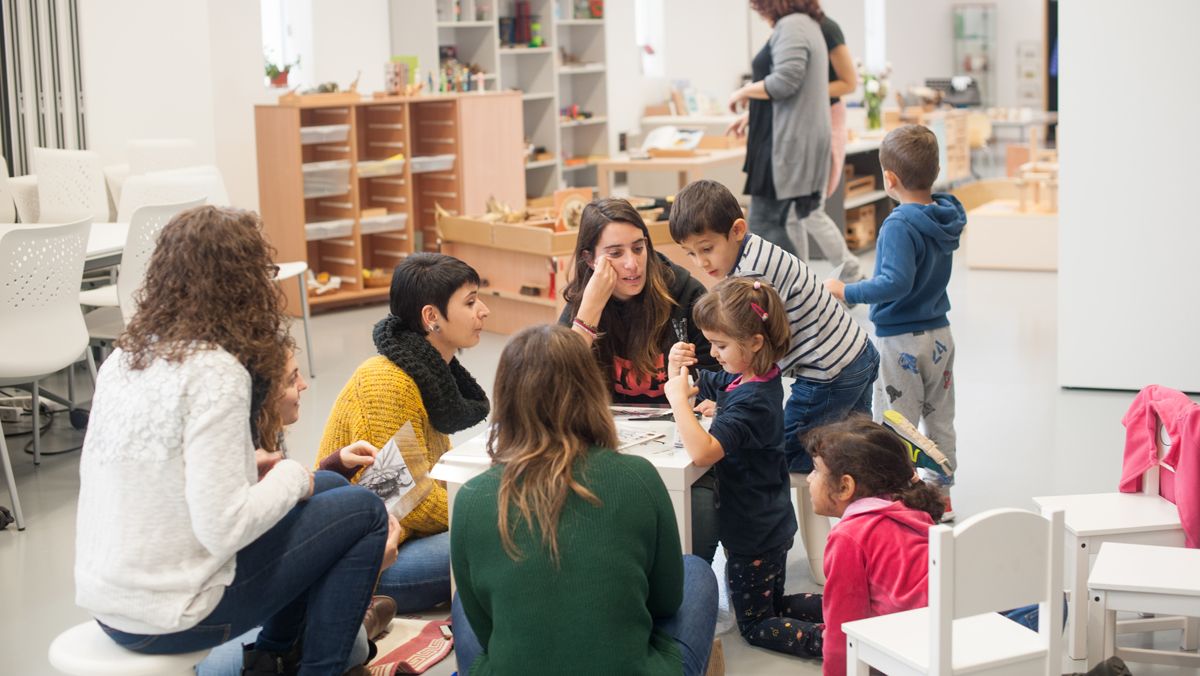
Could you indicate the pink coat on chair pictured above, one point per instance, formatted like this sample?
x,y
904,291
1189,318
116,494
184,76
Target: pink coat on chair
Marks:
x,y
1179,475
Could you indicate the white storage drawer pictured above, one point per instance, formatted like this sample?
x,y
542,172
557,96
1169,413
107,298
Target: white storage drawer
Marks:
x,y
322,179
384,223
432,163
342,227
325,133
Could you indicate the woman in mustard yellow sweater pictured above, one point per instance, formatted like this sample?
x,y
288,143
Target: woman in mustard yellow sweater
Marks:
x,y
415,378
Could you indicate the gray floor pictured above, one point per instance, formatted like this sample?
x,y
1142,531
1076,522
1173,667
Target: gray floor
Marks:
x,y
1019,436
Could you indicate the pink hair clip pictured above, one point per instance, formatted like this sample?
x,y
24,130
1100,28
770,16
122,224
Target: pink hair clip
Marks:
x,y
757,285
762,314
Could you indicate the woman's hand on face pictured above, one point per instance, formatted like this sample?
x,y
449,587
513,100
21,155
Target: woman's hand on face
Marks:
x,y
681,355
265,460
391,548
358,454
737,128
600,287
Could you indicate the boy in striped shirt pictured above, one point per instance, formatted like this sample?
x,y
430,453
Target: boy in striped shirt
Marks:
x,y
831,358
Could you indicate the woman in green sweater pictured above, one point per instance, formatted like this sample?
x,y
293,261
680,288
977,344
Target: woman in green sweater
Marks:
x,y
566,553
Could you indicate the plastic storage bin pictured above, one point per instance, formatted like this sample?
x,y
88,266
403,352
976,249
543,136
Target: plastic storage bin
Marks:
x,y
432,163
385,223
342,227
373,168
325,133
322,179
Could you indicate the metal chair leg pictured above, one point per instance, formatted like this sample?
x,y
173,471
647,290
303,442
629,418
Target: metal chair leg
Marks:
x,y
37,424
11,481
312,371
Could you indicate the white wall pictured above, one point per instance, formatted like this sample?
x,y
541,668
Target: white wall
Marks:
x,y
349,37
175,70
1127,239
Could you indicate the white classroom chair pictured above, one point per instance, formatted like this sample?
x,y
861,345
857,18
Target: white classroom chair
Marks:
x,y
814,528
70,184
994,561
1137,518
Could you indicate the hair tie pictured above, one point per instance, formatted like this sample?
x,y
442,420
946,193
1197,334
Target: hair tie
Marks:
x,y
757,285
762,314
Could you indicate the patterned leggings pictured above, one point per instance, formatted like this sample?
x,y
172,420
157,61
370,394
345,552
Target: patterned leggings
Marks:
x,y
767,618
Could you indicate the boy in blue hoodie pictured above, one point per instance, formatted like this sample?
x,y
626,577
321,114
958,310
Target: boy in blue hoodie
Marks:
x,y
907,293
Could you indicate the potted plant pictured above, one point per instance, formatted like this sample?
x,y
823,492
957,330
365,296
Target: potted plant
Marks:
x,y
875,89
279,75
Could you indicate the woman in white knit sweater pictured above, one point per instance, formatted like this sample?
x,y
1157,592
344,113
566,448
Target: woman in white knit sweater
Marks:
x,y
179,545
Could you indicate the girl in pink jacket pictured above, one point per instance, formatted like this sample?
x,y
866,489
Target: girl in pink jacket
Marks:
x,y
876,559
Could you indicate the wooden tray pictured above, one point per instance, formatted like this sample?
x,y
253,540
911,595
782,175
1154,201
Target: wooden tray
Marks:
x,y
859,185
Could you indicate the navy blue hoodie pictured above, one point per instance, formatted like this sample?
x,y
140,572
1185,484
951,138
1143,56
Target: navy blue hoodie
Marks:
x,y
912,267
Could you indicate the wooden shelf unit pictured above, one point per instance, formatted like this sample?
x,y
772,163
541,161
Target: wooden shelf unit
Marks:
x,y
481,130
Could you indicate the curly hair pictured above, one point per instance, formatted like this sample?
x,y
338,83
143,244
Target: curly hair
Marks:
x,y
774,10
210,282
876,458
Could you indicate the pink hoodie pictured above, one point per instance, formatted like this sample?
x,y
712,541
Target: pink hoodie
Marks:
x,y
876,562
1179,478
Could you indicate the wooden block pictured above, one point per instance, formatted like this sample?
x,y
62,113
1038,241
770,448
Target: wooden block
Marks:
x,y
659,109
859,185
860,227
373,211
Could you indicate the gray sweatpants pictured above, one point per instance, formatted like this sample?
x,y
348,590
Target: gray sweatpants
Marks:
x,y
916,378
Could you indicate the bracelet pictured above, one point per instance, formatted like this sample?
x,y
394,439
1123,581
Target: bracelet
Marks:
x,y
591,330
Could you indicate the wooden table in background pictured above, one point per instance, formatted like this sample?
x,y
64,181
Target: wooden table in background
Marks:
x,y
688,168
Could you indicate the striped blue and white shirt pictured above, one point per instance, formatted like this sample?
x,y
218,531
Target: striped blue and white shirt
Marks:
x,y
825,338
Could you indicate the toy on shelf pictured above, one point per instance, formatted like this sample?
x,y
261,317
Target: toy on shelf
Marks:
x,y
322,283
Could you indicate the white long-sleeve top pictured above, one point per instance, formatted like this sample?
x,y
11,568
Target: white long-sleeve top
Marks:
x,y
169,491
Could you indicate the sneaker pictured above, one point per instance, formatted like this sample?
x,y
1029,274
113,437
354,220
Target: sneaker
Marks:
x,y
948,515
921,449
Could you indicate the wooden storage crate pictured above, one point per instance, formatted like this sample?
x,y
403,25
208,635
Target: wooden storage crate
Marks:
x,y
859,185
860,227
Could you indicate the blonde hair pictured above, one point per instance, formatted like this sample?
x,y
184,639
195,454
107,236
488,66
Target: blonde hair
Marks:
x,y
742,308
552,403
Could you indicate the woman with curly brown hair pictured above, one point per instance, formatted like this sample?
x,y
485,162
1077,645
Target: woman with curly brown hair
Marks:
x,y
179,545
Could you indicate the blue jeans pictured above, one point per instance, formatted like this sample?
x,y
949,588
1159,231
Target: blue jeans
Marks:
x,y
692,626
420,577
814,403
320,560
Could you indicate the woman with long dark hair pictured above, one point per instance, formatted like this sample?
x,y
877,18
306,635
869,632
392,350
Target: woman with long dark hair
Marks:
x,y
566,538
631,304
179,545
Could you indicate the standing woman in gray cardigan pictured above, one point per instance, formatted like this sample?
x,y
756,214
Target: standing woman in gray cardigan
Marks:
x,y
788,148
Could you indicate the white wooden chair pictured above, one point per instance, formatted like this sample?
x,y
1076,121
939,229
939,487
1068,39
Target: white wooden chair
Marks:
x,y
1136,518
994,561
1142,579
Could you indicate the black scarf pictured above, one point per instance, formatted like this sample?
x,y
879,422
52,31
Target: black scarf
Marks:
x,y
453,400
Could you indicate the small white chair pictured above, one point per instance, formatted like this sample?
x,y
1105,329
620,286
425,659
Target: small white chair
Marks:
x,y
70,185
44,332
8,208
298,269
144,226
25,195
176,185
1092,519
1143,579
814,528
994,561
85,650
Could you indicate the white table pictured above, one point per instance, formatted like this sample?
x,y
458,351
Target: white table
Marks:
x,y
465,461
1144,579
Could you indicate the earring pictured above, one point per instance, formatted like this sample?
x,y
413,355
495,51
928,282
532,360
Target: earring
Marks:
x,y
435,328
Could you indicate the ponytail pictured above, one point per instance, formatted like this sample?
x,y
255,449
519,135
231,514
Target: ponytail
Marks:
x,y
877,460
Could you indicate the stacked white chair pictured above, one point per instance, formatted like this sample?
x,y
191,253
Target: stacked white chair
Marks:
x,y
70,185
44,332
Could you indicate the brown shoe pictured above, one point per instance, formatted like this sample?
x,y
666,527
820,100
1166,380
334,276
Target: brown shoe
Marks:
x,y
716,660
379,615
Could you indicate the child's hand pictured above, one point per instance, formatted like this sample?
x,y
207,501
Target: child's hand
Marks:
x,y
358,454
265,461
683,355
706,408
836,287
678,389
